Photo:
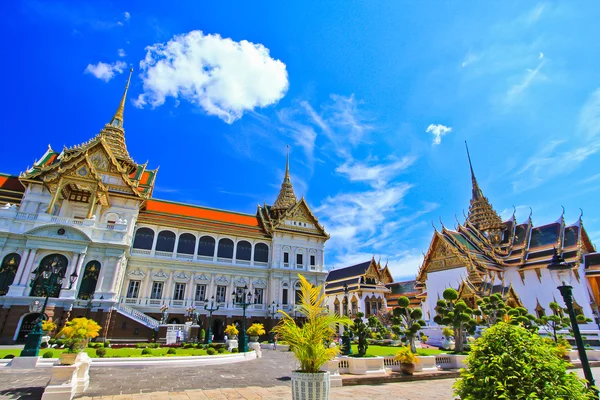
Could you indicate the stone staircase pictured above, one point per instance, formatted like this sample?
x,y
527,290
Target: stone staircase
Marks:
x,y
137,316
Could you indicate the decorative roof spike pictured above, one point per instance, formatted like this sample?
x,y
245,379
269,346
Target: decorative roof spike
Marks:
x,y
117,119
477,193
580,214
286,198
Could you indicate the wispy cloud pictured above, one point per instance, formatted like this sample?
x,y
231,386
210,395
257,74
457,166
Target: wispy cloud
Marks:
x,y
121,53
105,71
77,14
438,130
516,90
377,175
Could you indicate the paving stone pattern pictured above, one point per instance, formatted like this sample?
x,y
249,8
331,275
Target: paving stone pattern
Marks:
x,y
23,384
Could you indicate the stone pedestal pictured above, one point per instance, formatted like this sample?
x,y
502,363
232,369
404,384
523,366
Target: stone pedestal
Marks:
x,y
232,344
162,334
17,290
256,347
24,362
194,332
68,294
68,380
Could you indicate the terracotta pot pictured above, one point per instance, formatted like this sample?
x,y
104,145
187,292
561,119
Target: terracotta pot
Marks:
x,y
407,368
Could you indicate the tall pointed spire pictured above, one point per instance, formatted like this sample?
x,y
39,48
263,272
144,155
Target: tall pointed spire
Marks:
x,y
117,119
287,197
481,213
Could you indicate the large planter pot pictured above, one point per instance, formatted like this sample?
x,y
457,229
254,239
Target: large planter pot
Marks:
x,y
253,338
407,368
68,358
307,386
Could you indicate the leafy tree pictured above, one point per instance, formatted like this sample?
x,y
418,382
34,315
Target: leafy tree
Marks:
x,y
375,324
492,308
361,330
407,322
520,316
555,322
510,362
456,314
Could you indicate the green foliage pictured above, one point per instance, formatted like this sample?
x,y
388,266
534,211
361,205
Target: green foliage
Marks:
x,y
256,329
146,352
520,316
234,350
407,322
100,352
48,354
221,350
78,333
492,309
406,356
510,362
172,351
202,335
362,332
107,343
457,315
555,322
210,351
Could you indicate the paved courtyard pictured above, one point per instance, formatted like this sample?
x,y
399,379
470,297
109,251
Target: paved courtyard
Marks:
x,y
266,378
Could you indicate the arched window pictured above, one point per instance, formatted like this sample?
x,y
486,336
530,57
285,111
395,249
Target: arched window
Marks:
x,y
47,264
225,248
89,280
144,238
8,269
166,241
261,252
206,247
187,243
244,250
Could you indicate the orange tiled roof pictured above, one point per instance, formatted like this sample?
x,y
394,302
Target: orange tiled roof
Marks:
x,y
8,182
176,209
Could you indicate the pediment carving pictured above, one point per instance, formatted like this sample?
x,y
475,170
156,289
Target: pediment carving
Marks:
x,y
202,278
59,232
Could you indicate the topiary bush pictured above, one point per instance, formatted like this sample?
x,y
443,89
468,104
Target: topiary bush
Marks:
x,y
234,350
221,350
146,352
48,354
100,352
171,351
509,362
210,351
9,356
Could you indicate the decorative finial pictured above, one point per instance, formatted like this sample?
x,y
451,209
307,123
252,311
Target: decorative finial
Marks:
x,y
117,119
530,213
286,178
434,227
580,214
514,211
476,191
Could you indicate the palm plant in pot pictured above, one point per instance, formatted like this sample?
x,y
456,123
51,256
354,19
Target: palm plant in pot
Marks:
x,y
307,342
408,360
255,331
77,333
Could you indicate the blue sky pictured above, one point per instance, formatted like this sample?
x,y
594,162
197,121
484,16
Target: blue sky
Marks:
x,y
375,100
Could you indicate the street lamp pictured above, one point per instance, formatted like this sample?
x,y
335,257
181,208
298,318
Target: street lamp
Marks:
x,y
49,278
562,274
213,307
346,345
242,297
272,311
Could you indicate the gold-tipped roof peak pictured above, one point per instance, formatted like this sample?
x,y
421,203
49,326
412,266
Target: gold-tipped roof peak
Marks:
x,y
117,119
286,198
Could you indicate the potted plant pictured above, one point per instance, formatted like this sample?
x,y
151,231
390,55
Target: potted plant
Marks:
x,y
447,333
255,331
232,331
77,334
307,342
47,327
408,360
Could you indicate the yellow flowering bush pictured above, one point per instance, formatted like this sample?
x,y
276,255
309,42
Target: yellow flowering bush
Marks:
x,y
256,330
232,330
48,325
78,332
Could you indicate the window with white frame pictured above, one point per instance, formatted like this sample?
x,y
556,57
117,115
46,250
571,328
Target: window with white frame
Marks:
x,y
313,260
284,296
286,259
299,260
200,293
133,290
179,291
157,289
258,296
221,290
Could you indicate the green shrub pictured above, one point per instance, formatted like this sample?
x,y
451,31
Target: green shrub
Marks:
x,y
154,345
141,345
48,354
222,350
202,335
107,343
509,362
9,356
210,351
188,345
171,351
146,352
213,345
100,352
234,350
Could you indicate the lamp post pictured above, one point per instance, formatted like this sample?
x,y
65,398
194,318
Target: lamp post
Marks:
x,y
213,307
242,297
50,277
346,345
272,311
562,274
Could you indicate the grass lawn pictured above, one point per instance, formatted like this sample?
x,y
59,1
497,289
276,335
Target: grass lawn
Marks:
x,y
391,351
119,352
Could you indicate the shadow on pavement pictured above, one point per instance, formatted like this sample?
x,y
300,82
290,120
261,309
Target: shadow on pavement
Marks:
x,y
26,393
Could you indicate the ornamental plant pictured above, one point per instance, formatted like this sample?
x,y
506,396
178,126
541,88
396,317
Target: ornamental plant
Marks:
x,y
48,326
256,330
520,316
307,342
406,356
78,333
232,331
362,332
457,315
510,362
555,322
492,309
407,322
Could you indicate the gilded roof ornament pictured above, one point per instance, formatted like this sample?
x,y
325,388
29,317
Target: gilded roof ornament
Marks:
x,y
286,198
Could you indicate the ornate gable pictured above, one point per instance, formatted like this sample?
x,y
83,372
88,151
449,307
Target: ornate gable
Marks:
x,y
299,218
442,255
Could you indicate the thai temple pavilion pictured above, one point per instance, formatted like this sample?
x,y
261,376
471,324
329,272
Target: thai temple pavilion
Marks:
x,y
133,262
486,255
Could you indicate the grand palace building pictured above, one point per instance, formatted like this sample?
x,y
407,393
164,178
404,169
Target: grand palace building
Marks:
x,y
88,210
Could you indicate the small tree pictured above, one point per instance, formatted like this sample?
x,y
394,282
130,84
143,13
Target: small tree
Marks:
x,y
555,322
492,309
407,322
520,316
456,314
360,329
509,362
78,332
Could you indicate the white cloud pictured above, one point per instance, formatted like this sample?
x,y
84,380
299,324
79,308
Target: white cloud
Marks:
x,y
376,175
223,77
105,71
126,15
121,53
470,58
589,118
527,79
438,131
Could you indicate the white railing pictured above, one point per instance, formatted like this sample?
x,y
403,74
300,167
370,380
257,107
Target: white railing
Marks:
x,y
261,264
185,256
224,260
141,251
242,262
27,216
131,300
155,302
177,303
138,316
163,254
204,258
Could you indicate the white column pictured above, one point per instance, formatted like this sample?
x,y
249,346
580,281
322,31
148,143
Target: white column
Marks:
x,y
22,264
75,266
17,289
144,291
100,282
25,278
253,244
234,251
196,248
169,288
116,270
153,249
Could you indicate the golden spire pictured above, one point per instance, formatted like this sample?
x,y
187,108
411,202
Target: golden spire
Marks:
x,y
117,119
287,197
477,193
286,178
